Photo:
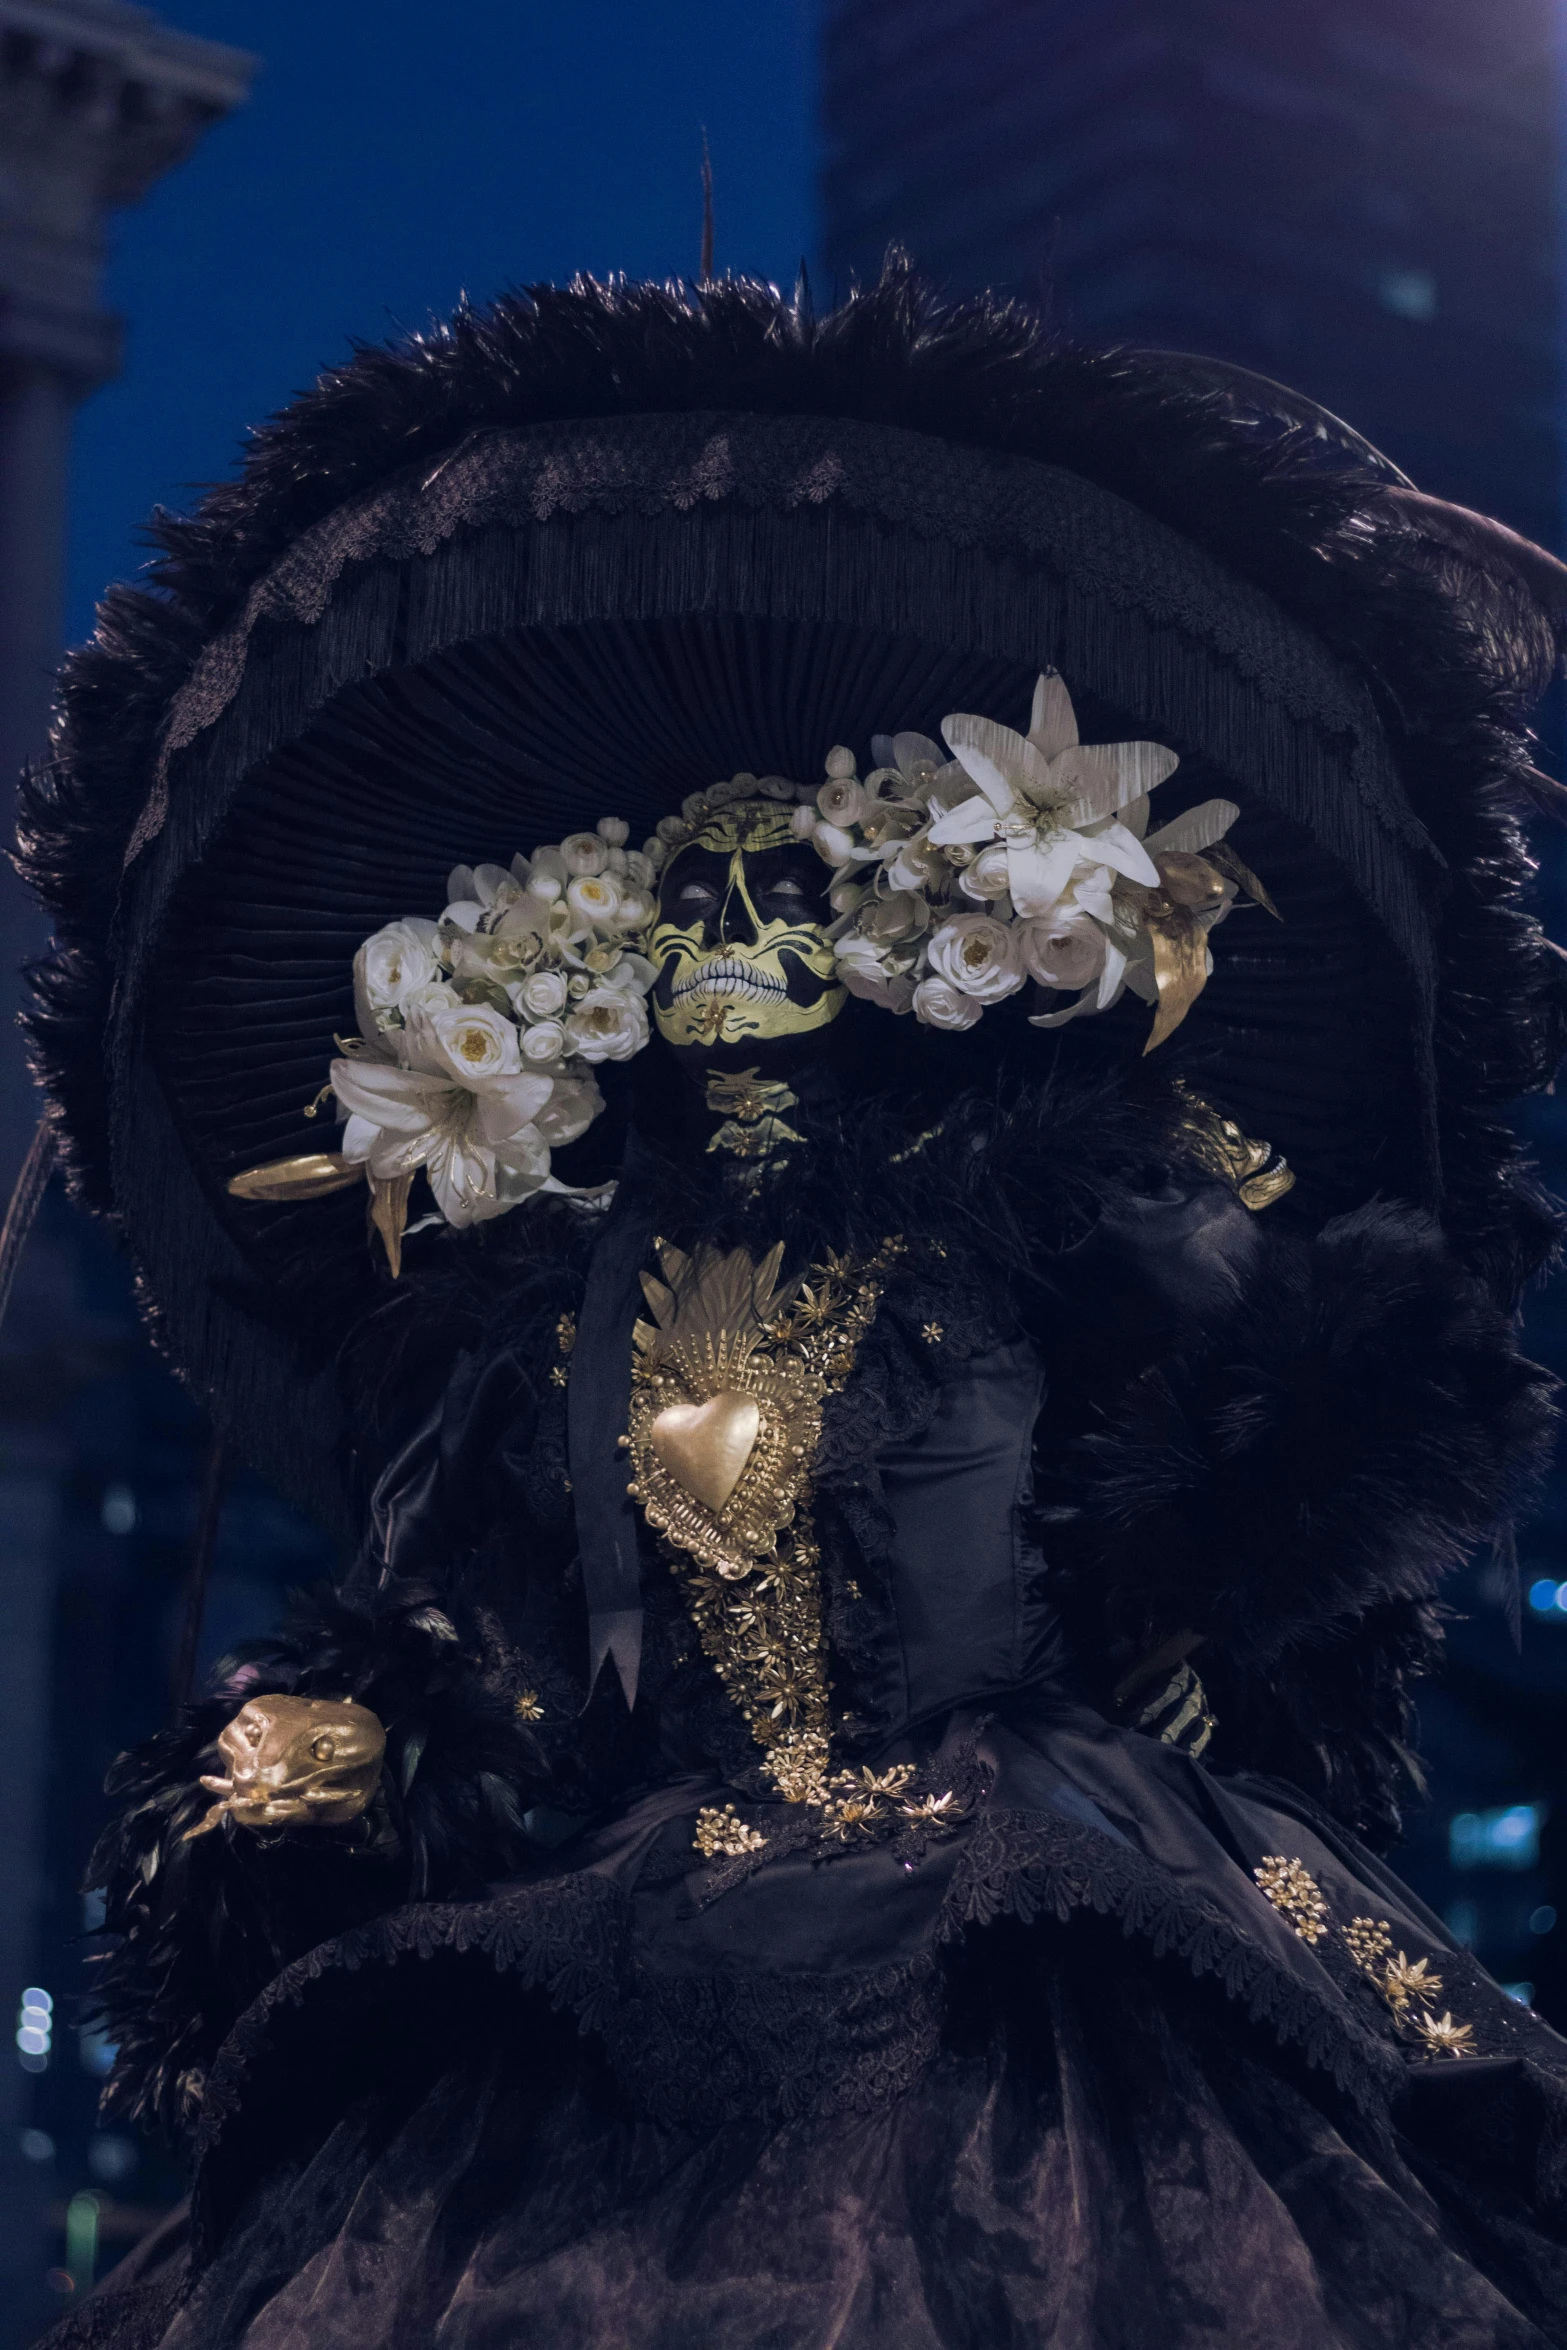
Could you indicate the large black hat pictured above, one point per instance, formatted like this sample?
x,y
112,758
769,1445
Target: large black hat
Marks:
x,y
583,551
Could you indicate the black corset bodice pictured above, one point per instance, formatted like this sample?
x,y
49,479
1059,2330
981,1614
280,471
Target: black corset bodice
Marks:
x,y
962,1573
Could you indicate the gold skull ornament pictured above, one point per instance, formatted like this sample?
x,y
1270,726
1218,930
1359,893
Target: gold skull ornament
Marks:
x,y
296,1762
741,943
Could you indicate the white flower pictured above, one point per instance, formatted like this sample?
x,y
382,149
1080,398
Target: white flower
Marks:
x,y
594,897
613,830
636,909
865,970
466,1139
632,971
542,996
472,1043
832,844
988,877
582,852
941,1006
543,1043
916,864
1038,791
1062,949
640,869
608,1024
477,892
389,966
574,1103
841,801
898,915
977,955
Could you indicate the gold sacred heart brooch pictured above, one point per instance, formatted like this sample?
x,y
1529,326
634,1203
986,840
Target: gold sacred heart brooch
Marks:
x,y
728,1382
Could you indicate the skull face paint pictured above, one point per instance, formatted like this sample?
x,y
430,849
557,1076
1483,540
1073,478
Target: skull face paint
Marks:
x,y
741,942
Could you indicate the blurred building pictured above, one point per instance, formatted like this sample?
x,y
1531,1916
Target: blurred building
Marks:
x,y
1363,199
1359,197
97,101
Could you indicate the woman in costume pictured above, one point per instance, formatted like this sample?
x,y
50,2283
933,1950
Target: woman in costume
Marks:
x,y
915,937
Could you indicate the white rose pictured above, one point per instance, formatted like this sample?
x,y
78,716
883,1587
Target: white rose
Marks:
x,y
841,800
389,966
594,897
543,1042
640,870
803,822
977,955
542,996
472,1043
1061,951
613,830
988,876
636,909
941,1006
831,844
582,852
609,1024
573,1105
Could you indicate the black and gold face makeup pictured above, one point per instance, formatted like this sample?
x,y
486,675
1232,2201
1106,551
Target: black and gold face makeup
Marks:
x,y
741,941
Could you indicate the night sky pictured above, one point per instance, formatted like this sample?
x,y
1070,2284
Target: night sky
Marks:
x,y
396,155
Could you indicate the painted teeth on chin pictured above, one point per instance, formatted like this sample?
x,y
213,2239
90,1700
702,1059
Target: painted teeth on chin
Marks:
x,y
729,979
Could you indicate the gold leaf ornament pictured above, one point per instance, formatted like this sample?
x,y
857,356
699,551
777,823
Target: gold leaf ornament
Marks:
x,y
316,1175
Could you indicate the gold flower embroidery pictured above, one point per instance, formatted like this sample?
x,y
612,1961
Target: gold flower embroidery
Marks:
x,y
1442,2036
1295,1894
724,1834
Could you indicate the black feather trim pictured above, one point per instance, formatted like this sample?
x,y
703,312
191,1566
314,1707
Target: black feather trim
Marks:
x,y
194,1930
1294,1484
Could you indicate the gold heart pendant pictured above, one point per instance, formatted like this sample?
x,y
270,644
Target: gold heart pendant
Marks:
x,y
705,1446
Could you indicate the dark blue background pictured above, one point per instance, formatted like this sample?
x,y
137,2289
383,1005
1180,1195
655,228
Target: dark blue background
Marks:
x,y
396,153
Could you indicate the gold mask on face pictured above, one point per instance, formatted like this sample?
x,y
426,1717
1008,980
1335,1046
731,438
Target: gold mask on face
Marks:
x,y
741,942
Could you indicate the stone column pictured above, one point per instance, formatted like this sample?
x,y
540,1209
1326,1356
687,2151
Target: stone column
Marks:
x,y
97,101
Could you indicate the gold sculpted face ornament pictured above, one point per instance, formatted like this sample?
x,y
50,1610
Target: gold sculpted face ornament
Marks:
x,y
296,1762
741,945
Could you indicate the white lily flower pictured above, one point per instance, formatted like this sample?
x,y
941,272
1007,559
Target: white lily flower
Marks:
x,y
1197,830
400,1119
1037,792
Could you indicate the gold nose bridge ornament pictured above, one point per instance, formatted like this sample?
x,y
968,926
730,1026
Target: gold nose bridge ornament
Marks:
x,y
729,1378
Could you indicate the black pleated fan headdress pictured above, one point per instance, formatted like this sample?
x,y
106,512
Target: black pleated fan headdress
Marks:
x,y
586,551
